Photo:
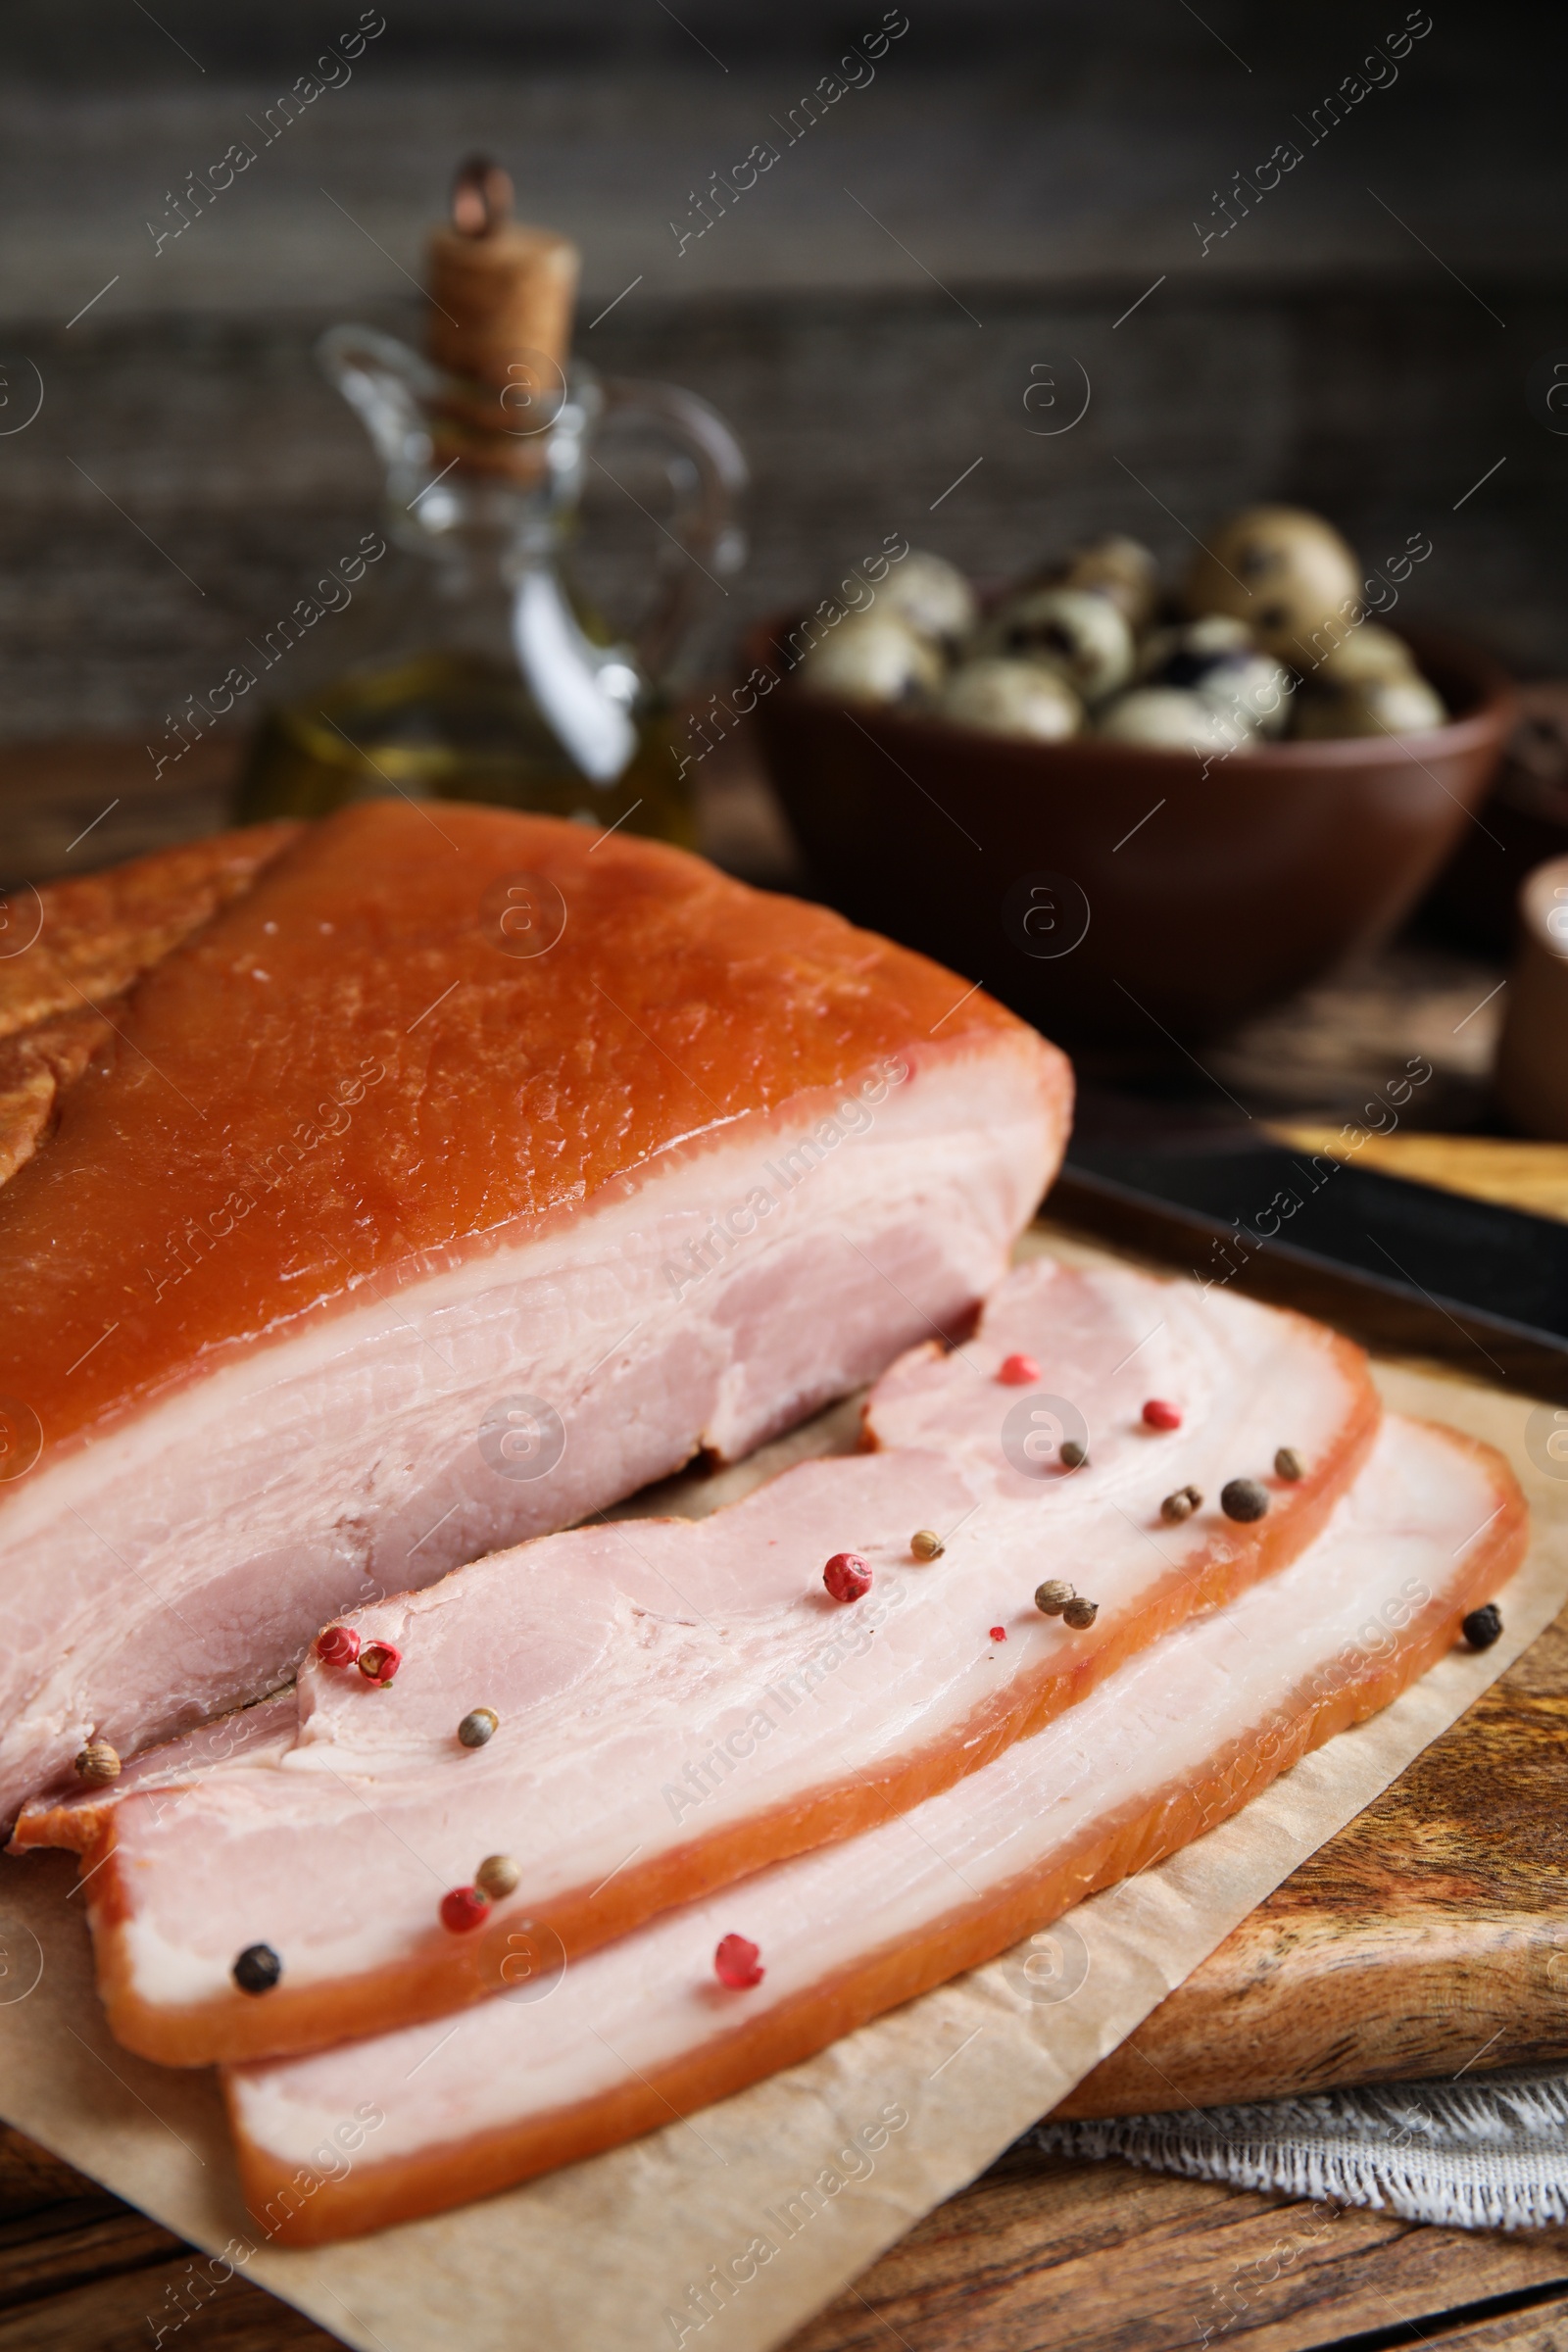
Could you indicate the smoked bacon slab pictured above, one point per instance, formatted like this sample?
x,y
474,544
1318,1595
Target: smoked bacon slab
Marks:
x,y
462,1175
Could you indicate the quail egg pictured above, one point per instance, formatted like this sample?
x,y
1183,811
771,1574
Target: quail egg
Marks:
x,y
1028,699
1173,719
1252,688
931,595
1369,651
1402,705
1218,659
1287,574
1122,569
872,657
1075,630
1179,657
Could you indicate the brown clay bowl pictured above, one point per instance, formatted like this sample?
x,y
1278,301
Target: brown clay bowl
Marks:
x,y
1107,892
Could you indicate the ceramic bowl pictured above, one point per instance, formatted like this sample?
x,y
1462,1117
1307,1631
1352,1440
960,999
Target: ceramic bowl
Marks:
x,y
1110,893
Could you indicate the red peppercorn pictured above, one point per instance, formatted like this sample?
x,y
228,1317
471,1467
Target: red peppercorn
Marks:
x,y
1019,1372
998,1633
379,1662
339,1645
738,1963
1157,1414
847,1576
464,1908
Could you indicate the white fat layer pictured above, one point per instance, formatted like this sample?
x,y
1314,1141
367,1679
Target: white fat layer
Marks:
x,y
660,1681
182,1562
1398,1544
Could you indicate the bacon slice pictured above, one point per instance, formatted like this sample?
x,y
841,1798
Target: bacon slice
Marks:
x,y
681,1705
366,1243
1174,1742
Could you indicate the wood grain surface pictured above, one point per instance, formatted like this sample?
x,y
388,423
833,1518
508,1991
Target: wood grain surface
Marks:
x,y
1047,2252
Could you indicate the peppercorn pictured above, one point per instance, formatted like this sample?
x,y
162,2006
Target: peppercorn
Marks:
x,y
847,1576
98,1764
1482,1626
926,1544
497,1876
1080,1612
1181,1505
380,1661
737,1963
1243,1499
258,1968
464,1908
1019,1372
1157,1414
998,1633
1289,1465
1052,1596
478,1727
339,1645
1073,1454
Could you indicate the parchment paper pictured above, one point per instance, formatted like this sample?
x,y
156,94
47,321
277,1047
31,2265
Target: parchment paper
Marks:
x,y
609,2253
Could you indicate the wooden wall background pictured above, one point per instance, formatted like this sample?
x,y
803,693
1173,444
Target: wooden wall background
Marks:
x,y
1032,168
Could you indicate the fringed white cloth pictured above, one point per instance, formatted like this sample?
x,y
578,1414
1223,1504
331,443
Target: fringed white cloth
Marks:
x,y
1487,2153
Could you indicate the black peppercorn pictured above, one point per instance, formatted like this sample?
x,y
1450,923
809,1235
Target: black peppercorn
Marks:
x,y
258,1968
1244,1498
1482,1626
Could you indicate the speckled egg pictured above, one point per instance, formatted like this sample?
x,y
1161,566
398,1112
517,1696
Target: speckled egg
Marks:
x,y
1368,650
1405,705
1120,569
1172,719
931,595
1075,630
872,657
1027,699
1285,572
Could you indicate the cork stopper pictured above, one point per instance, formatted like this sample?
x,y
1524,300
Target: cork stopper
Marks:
x,y
500,325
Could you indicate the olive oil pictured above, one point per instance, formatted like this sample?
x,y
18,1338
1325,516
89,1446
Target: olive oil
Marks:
x,y
454,728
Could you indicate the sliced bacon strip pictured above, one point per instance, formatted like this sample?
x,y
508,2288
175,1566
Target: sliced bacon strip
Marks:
x,y
1174,1742
681,1705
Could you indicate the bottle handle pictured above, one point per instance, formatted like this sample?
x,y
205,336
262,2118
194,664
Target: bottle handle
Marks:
x,y
708,476
387,386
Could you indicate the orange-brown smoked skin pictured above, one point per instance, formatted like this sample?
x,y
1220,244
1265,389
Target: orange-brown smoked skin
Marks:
x,y
72,948
375,2196
449,1972
343,1077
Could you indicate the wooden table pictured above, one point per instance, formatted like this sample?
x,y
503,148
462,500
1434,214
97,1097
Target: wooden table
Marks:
x,y
1436,1905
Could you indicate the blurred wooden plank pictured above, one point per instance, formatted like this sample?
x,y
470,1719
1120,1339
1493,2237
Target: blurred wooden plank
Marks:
x,y
74,803
125,2313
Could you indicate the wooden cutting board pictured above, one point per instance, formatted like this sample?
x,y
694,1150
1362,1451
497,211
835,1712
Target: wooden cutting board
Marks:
x,y
1431,1936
